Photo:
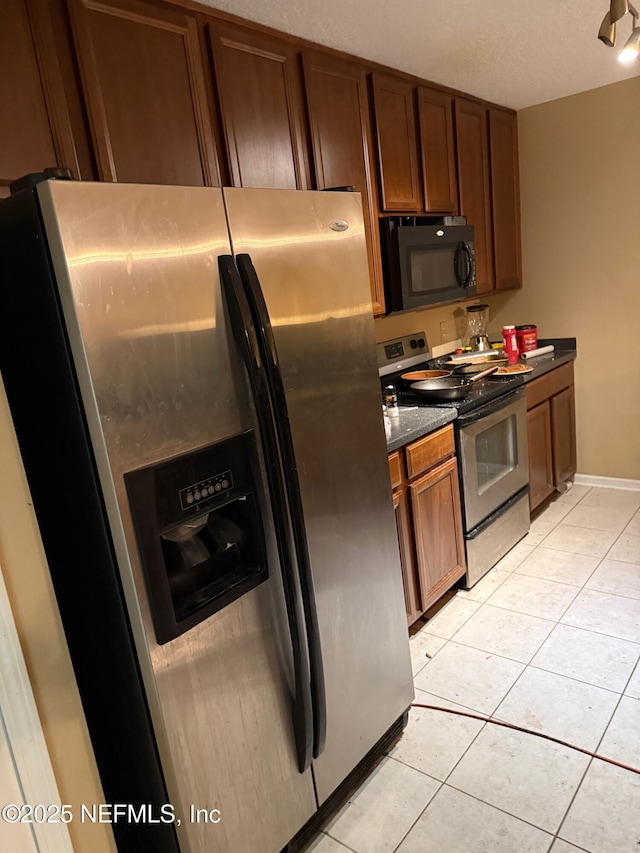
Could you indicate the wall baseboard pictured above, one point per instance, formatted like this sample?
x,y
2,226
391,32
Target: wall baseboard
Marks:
x,y
607,482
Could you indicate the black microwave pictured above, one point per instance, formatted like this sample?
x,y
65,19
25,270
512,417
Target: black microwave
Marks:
x,y
425,262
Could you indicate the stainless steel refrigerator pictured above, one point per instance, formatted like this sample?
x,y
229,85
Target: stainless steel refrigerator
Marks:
x,y
193,379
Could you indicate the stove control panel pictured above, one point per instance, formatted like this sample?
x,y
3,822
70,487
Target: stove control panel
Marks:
x,y
402,353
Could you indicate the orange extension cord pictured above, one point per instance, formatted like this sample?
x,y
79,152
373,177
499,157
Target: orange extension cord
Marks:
x,y
527,732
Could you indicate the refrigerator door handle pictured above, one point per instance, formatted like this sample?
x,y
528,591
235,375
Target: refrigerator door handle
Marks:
x,y
246,337
264,330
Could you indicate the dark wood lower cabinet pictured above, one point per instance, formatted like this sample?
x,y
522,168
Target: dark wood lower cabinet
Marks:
x,y
428,519
551,424
407,562
540,458
437,524
563,434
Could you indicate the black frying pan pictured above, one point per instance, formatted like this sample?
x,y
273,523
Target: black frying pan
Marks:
x,y
472,367
449,387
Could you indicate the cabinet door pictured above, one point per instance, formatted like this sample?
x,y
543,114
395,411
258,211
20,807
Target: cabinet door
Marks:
x,y
260,96
338,107
396,143
143,79
437,525
505,197
435,109
407,562
540,454
473,183
563,432
34,123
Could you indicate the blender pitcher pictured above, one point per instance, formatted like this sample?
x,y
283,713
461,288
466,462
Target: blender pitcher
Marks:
x,y
477,320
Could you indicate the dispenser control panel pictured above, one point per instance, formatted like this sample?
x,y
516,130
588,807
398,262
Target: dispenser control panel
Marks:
x,y
205,489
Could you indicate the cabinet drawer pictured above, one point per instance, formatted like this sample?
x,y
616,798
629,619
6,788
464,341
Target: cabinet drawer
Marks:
x,y
395,469
549,385
429,451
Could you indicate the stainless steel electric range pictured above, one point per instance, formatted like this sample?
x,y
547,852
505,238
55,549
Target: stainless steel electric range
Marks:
x,y
492,451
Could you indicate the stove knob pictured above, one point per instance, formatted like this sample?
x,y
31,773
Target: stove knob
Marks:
x,y
414,343
421,343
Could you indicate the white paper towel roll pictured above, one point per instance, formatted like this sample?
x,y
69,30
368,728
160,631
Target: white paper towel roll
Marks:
x,y
535,352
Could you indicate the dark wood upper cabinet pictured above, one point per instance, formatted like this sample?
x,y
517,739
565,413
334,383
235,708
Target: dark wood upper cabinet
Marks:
x,y
395,124
505,196
143,79
472,147
435,109
34,129
260,95
338,106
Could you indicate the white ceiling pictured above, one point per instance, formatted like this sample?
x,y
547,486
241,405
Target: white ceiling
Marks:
x,y
513,53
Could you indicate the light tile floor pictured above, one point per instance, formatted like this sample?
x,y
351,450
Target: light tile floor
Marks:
x,y
549,640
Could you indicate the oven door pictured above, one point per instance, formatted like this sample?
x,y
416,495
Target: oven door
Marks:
x,y
494,455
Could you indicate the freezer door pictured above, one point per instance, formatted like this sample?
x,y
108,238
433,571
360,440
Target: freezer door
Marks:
x,y
308,250
159,377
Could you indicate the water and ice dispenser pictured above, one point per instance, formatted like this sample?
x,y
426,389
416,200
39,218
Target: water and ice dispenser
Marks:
x,y
199,529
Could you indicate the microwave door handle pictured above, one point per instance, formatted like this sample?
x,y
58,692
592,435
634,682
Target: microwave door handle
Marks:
x,y
456,264
469,256
264,329
246,337
463,250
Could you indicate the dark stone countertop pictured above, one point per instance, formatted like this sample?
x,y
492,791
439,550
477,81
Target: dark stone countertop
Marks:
x,y
417,421
544,363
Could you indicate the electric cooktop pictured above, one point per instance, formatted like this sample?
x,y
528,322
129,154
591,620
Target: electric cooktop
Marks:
x,y
411,352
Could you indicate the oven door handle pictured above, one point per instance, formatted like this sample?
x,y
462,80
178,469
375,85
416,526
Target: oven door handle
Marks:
x,y
502,509
490,408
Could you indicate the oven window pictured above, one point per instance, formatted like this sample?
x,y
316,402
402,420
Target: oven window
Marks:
x,y
496,453
431,269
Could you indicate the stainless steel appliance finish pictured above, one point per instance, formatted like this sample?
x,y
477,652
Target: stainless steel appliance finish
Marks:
x,y
492,540
316,289
494,456
159,375
400,354
136,270
492,451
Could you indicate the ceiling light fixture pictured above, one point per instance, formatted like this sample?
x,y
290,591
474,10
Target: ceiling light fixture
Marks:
x,y
607,34
618,9
631,50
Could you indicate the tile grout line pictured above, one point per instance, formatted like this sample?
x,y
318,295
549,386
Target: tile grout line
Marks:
x,y
498,809
578,680
526,664
429,801
572,801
